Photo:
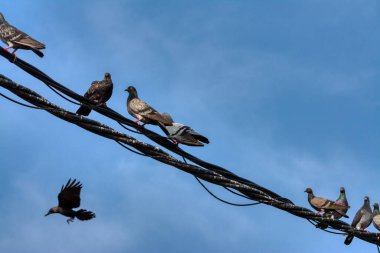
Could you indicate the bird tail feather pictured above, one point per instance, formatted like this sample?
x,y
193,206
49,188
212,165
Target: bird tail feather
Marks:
x,y
348,239
38,52
84,110
84,215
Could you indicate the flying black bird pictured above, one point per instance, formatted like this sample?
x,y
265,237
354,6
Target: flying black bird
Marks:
x,y
325,206
69,198
17,39
362,219
99,93
180,133
142,111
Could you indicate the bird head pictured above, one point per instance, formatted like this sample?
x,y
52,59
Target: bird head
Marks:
x,y
366,199
132,90
107,76
376,206
309,190
52,210
342,190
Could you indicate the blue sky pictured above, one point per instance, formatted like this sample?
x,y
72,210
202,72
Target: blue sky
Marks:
x,y
286,91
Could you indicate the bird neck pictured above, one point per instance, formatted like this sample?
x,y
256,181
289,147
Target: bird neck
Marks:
x,y
132,95
375,211
342,196
310,196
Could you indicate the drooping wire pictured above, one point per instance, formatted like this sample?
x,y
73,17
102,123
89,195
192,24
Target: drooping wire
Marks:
x,y
328,231
236,193
134,151
63,96
129,129
216,197
17,102
224,201
378,248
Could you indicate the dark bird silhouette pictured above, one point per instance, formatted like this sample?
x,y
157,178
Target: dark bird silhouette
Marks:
x,y
180,133
99,93
142,111
17,39
324,206
69,198
362,219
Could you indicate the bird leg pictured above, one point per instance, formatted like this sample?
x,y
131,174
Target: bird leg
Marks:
x,y
175,141
136,121
70,220
14,51
7,49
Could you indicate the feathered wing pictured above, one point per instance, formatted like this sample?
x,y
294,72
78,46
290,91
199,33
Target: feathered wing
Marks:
x,y
99,92
139,107
326,204
69,197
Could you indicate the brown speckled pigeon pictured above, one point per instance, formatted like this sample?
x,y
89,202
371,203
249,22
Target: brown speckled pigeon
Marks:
x,y
99,93
180,133
142,111
17,39
362,219
69,198
324,206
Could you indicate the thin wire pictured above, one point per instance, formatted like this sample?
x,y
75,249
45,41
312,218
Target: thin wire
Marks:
x,y
222,200
378,249
62,96
328,231
134,151
236,193
134,131
17,102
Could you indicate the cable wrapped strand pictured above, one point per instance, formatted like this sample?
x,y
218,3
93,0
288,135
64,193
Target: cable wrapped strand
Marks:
x,y
259,194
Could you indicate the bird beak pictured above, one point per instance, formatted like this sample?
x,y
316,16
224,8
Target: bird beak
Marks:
x,y
126,90
47,214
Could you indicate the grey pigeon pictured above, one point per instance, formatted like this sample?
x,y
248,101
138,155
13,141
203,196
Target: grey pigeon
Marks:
x,y
362,219
342,200
142,111
180,133
99,93
324,206
17,39
376,216
69,198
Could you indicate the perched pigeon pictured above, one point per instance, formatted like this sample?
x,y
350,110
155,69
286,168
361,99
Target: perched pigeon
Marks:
x,y
99,93
17,39
376,216
324,206
180,133
362,219
342,200
142,111
69,198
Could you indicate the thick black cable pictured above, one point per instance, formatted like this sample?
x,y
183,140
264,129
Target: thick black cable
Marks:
x,y
161,156
163,141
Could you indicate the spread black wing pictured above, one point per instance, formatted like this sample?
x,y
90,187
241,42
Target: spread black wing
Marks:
x,y
69,197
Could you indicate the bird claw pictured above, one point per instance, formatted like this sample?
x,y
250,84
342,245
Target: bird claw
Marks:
x,y
69,220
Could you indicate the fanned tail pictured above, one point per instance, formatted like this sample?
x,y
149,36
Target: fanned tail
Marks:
x,y
84,215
